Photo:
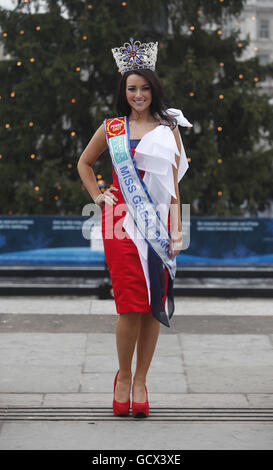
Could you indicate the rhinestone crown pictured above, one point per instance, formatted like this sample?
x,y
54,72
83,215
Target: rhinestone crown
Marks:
x,y
134,55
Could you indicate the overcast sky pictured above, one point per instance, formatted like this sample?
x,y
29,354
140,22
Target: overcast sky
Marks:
x,y
10,4
7,3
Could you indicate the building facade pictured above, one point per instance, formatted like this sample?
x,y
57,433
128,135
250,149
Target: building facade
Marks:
x,y
256,20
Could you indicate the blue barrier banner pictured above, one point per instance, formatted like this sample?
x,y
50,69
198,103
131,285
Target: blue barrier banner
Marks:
x,y
231,241
71,240
49,240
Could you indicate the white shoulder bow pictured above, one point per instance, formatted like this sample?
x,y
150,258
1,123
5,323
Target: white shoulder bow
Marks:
x,y
181,120
155,153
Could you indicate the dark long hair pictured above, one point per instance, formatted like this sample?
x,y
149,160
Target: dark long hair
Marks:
x,y
157,105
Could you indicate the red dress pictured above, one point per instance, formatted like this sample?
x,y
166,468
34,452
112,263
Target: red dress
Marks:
x,y
122,259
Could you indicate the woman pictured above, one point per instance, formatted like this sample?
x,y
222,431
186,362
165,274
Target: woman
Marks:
x,y
148,169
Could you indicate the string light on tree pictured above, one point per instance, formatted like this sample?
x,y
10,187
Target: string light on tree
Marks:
x,y
82,37
7,125
220,193
100,180
22,32
5,35
37,188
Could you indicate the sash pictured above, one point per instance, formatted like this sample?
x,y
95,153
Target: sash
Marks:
x,y
138,201
135,194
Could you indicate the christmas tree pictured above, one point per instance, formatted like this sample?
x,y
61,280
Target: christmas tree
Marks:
x,y
58,83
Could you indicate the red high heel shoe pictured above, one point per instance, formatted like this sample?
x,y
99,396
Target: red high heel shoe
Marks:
x,y
141,410
120,408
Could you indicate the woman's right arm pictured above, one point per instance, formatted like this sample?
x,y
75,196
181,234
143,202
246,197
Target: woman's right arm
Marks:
x,y
96,146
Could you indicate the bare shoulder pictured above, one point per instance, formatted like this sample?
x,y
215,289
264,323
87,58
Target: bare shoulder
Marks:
x,y
100,133
166,123
176,132
177,137
99,138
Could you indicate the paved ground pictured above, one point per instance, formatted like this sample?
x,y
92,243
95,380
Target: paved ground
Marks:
x,y
210,383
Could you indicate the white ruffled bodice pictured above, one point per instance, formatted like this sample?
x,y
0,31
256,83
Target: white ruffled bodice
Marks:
x,y
155,153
